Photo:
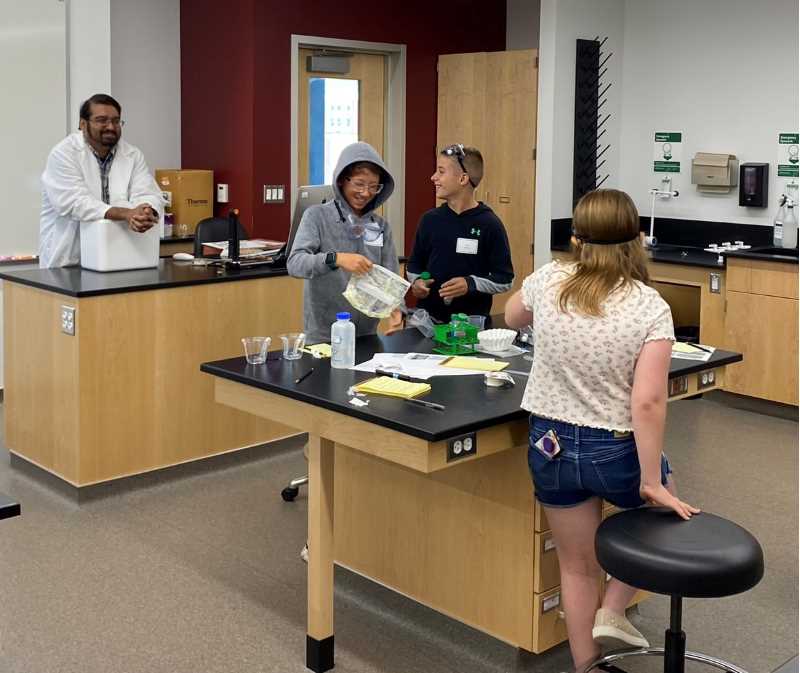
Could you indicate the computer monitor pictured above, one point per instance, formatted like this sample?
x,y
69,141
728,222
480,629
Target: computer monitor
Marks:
x,y
307,196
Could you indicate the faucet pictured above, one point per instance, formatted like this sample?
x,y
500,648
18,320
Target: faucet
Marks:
x,y
666,192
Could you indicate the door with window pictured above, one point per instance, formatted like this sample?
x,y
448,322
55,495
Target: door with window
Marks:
x,y
337,109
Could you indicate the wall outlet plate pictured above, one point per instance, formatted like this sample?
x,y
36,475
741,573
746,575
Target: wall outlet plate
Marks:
x,y
462,446
68,320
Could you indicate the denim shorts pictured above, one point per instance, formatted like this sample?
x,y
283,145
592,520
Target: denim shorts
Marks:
x,y
592,462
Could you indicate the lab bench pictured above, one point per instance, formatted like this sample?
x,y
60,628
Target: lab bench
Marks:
x,y
123,394
462,535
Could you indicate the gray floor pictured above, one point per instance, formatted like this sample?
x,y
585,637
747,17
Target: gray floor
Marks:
x,y
201,573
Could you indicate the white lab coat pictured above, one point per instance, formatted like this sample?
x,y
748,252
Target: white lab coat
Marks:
x,y
72,193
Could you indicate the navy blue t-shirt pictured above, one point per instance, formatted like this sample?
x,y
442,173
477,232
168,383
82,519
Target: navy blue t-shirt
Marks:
x,y
472,244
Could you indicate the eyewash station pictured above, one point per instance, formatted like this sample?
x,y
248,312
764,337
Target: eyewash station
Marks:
x,y
420,449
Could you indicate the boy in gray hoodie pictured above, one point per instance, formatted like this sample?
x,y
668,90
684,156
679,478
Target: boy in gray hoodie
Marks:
x,y
341,238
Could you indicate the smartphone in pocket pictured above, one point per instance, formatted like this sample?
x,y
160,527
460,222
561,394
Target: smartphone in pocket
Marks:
x,y
548,444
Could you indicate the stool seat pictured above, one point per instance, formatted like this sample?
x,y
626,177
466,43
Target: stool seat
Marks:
x,y
652,548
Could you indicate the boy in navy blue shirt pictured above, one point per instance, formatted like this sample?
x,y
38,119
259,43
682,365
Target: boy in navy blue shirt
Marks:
x,y
462,244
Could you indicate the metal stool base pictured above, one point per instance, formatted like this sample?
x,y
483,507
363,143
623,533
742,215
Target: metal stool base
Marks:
x,y
616,655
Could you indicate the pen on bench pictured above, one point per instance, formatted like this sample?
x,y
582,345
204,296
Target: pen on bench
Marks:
x,y
424,403
702,348
304,376
395,375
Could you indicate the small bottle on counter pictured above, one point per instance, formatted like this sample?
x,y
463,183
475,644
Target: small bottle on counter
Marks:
x,y
343,342
790,226
777,225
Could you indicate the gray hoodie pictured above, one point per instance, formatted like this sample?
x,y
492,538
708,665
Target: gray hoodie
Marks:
x,y
322,231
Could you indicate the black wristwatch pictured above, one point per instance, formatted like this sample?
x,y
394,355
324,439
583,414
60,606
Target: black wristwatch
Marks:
x,y
330,261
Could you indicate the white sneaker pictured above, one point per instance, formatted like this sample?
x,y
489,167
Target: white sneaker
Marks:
x,y
613,630
304,553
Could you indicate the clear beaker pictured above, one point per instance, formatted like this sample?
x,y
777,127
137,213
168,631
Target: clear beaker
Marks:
x,y
293,344
477,321
255,349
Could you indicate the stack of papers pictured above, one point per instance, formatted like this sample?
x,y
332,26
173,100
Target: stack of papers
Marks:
x,y
247,248
386,385
478,364
318,350
686,351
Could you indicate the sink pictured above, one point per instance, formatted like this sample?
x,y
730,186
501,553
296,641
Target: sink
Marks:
x,y
772,250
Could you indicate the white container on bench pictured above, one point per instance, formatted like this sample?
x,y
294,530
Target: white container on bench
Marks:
x,y
110,245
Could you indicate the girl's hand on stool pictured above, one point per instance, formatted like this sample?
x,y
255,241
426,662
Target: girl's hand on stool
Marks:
x,y
657,494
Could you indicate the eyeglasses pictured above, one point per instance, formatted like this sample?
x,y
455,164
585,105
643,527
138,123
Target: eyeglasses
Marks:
x,y
105,121
364,187
458,152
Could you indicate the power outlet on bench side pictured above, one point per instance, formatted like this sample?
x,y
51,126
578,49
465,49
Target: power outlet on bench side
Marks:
x,y
462,446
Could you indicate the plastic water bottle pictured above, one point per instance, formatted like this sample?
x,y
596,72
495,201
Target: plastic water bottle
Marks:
x,y
777,227
343,342
790,226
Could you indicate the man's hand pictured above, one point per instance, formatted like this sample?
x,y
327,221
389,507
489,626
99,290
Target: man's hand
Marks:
x,y
657,494
395,322
353,262
421,288
141,218
455,287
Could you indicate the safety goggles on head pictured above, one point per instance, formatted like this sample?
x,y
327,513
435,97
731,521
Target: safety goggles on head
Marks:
x,y
458,152
360,186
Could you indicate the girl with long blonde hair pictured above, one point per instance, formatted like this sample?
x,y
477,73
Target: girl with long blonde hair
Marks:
x,y
597,394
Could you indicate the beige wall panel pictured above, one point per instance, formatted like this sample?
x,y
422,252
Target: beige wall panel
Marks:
x,y
40,379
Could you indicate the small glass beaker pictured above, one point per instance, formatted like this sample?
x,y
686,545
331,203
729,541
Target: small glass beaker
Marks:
x,y
477,321
255,349
293,344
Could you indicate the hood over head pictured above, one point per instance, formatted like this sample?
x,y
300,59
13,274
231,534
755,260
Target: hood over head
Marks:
x,y
355,153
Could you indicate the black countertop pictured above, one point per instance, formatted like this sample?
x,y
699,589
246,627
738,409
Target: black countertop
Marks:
x,y
470,405
77,282
767,253
675,254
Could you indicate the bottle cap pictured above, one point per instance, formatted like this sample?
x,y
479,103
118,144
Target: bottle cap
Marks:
x,y
343,316
425,275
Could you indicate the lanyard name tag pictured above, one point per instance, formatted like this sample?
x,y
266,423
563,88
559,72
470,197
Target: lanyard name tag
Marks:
x,y
378,242
467,246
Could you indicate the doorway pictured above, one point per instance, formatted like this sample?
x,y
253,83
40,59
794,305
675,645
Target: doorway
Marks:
x,y
375,86
336,109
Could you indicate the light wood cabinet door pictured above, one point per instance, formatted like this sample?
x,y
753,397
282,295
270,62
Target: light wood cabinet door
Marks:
x,y
488,100
764,330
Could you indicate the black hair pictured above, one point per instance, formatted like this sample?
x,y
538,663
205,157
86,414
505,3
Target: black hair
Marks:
x,y
98,99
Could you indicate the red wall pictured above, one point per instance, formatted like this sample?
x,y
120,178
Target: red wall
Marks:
x,y
236,77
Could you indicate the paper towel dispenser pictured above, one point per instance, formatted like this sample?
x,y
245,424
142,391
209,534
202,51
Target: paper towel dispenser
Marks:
x,y
715,172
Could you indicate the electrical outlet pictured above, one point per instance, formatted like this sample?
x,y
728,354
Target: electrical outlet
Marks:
x,y
462,446
274,194
68,320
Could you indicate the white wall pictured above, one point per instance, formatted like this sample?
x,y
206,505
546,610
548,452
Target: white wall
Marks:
x,y
725,74
522,24
562,23
89,40
722,72
146,77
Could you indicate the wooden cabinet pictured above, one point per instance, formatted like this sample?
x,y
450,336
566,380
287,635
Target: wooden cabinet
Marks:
x,y
761,323
488,100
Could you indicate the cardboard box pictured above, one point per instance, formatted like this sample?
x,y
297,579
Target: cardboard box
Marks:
x,y
189,193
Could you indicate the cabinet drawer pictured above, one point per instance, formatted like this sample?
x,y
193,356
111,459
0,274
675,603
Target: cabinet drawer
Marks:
x,y
549,627
775,279
546,574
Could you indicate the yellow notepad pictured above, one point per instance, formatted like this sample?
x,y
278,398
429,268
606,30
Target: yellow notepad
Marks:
x,y
681,347
387,385
478,364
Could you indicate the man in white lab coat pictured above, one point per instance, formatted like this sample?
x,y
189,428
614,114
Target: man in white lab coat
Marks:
x,y
92,175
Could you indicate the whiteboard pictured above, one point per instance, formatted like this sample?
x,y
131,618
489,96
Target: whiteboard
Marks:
x,y
33,115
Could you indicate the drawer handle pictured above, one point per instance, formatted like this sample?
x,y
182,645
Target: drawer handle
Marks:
x,y
551,602
549,544
561,615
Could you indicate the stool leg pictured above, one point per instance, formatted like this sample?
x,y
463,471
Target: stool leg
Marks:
x,y
675,639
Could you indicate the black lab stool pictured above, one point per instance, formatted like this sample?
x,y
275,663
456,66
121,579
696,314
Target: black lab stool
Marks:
x,y
654,549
